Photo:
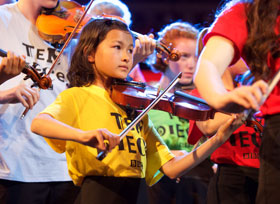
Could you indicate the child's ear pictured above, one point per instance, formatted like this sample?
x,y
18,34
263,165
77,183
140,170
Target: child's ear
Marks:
x,y
90,57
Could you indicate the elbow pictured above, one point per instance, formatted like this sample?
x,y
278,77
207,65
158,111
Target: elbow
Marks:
x,y
169,170
37,123
209,132
34,125
206,128
172,176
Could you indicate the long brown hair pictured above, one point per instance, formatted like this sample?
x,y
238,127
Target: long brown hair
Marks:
x,y
262,40
262,15
81,72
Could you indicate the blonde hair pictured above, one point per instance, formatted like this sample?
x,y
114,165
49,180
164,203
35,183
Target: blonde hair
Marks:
x,y
111,7
168,35
200,45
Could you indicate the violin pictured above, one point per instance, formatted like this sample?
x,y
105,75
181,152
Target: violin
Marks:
x,y
101,155
142,98
56,26
136,95
39,79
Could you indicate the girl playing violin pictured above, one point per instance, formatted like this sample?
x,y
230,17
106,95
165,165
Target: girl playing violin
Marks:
x,y
143,47
83,117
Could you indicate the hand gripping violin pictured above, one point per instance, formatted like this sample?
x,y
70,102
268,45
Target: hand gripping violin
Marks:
x,y
40,80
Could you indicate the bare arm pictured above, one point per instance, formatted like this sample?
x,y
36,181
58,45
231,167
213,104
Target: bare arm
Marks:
x,y
47,126
144,46
181,164
211,126
215,58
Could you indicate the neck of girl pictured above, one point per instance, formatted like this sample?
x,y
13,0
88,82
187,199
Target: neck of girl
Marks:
x,y
30,10
104,82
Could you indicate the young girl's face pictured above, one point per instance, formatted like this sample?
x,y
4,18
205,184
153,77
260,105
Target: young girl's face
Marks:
x,y
187,63
113,56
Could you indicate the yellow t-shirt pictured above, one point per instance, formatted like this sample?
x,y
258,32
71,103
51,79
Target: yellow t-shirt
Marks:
x,y
140,154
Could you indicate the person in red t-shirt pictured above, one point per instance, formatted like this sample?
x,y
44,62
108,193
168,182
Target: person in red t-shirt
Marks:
x,y
236,179
247,29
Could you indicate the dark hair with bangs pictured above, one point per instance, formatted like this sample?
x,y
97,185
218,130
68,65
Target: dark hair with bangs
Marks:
x,y
81,72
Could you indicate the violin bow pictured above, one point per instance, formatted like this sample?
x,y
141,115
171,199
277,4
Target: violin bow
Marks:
x,y
101,155
63,48
271,85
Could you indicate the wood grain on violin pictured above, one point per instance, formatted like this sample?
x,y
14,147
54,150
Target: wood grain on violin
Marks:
x,y
56,26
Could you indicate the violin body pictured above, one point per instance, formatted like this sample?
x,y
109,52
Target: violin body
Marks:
x,y
137,96
56,26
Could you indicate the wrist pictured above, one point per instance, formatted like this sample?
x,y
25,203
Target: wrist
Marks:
x,y
217,140
78,136
7,96
3,77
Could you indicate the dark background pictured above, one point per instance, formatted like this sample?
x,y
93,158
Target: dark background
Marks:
x,y
150,16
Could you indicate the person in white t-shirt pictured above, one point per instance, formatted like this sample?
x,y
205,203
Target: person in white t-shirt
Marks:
x,y
6,1
29,171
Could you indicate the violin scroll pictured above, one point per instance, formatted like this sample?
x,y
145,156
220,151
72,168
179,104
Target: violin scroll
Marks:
x,y
40,80
174,55
167,53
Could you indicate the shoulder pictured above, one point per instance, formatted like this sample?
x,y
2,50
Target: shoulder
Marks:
x,y
74,91
232,25
236,7
84,91
7,12
232,13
